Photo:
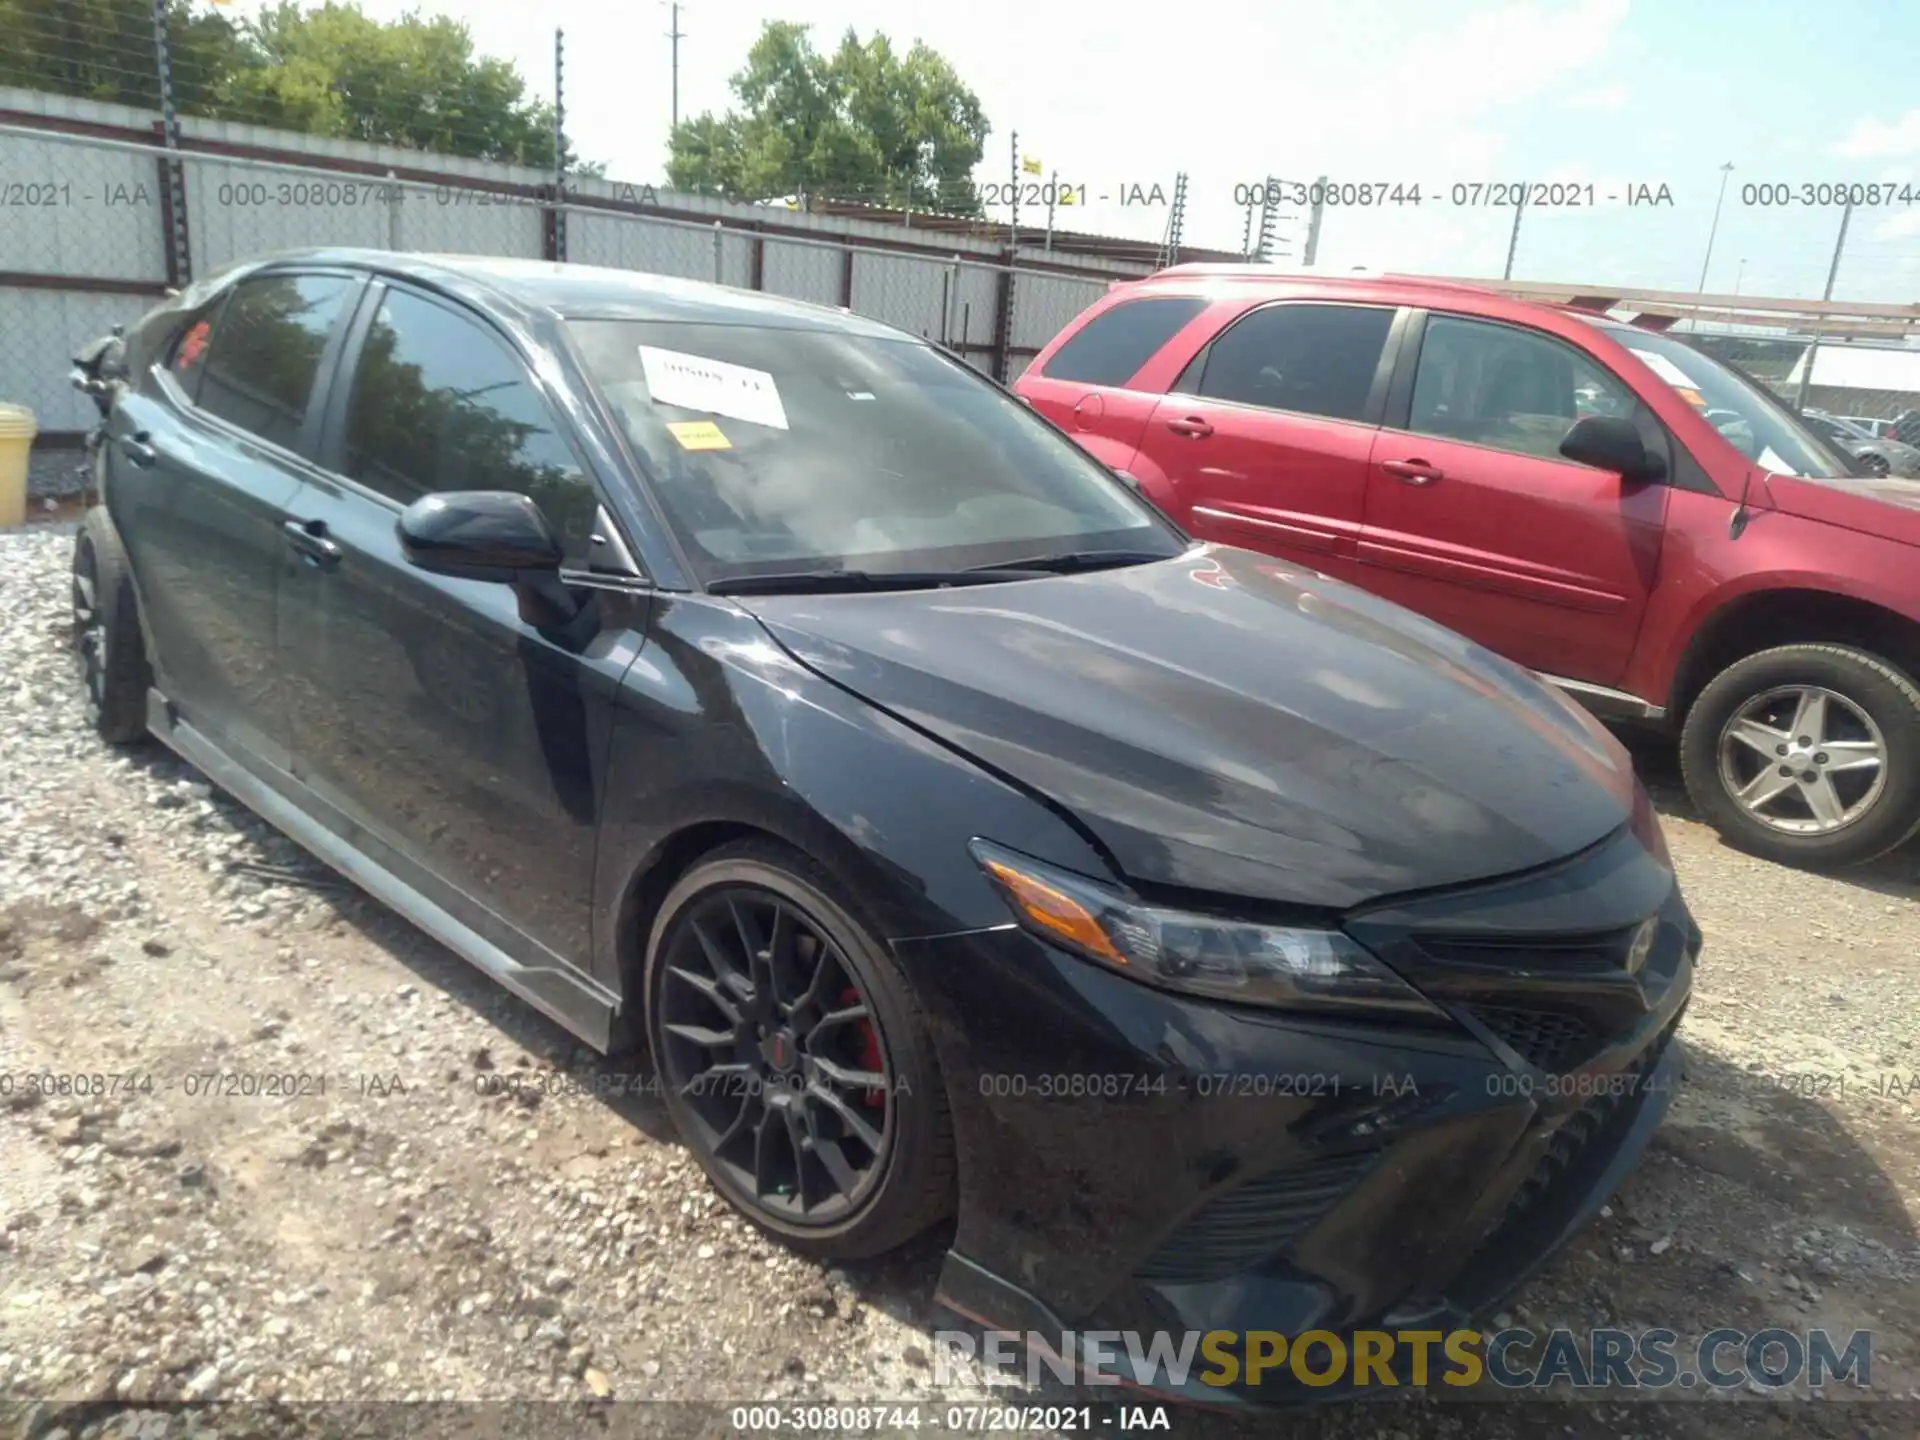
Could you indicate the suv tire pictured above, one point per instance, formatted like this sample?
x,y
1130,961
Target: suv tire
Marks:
x,y
1822,808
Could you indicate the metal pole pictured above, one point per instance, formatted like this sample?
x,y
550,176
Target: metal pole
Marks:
x,y
1813,350
559,143
719,258
393,211
170,131
1714,228
1513,242
952,298
1740,276
1053,185
1319,208
675,36
1013,225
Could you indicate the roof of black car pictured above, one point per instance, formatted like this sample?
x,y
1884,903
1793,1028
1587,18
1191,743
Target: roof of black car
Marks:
x,y
596,290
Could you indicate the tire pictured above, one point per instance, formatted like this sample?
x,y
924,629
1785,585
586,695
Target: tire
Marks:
x,y
106,631
909,1183
1866,703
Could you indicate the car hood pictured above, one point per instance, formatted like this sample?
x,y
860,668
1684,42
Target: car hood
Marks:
x,y
1885,506
1226,723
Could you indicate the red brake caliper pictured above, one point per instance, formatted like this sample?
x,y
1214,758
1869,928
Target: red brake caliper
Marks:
x,y
870,1058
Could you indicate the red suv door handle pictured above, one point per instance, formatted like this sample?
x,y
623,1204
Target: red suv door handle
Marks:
x,y
1192,426
1414,472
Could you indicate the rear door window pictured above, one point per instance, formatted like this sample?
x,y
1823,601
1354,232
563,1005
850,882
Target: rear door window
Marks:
x,y
263,353
1307,359
1111,347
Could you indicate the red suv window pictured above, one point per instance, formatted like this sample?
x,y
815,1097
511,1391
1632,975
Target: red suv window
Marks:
x,y
1111,347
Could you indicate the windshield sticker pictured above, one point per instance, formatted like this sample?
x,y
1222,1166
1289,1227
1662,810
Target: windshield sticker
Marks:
x,y
699,435
694,382
1769,460
859,394
1666,370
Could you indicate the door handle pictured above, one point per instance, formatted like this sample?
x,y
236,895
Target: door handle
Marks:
x,y
310,539
1414,472
1192,426
136,448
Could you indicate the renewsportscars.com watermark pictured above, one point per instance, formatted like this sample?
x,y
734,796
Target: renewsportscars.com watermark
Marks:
x,y
1512,1359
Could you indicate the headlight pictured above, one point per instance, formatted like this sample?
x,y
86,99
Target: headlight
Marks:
x,y
1279,965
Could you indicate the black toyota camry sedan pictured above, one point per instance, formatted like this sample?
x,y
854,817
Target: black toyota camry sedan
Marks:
x,y
1214,946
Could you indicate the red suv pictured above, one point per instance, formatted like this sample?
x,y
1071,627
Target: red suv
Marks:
x,y
1647,528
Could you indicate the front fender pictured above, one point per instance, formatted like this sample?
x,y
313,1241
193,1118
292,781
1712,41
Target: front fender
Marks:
x,y
719,725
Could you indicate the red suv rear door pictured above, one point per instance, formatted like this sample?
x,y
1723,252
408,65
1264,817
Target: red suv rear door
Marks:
x,y
1264,440
1475,520
1082,383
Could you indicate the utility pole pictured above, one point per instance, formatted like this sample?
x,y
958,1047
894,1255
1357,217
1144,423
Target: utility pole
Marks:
x,y
1714,228
1813,350
1319,198
674,35
1513,241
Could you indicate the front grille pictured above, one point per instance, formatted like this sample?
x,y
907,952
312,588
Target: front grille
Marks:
x,y
1253,1221
1552,1042
1601,950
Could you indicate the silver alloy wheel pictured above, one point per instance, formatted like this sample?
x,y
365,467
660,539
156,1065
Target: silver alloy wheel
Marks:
x,y
1803,760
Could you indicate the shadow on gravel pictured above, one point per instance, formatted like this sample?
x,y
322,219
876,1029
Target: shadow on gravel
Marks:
x,y
1656,760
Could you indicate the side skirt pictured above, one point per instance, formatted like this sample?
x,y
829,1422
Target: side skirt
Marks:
x,y
564,996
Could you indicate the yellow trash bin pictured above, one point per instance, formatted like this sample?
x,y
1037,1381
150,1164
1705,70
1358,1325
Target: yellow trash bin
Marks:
x,y
17,429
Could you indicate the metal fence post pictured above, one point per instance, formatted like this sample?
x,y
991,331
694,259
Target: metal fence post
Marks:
x,y
559,145
393,211
174,179
1003,315
719,253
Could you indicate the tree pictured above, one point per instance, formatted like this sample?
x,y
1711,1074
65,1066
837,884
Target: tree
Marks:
x,y
328,70
863,124
103,50
416,82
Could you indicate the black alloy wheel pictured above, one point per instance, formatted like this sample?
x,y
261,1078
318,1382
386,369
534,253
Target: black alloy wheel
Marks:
x,y
106,632
793,1059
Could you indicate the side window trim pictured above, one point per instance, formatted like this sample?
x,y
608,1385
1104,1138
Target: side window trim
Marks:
x,y
307,442
1371,411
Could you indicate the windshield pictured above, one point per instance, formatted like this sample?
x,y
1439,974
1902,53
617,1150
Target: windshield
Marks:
x,y
780,450
1747,417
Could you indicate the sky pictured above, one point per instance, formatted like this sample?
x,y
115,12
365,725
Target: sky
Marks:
x,y
1619,94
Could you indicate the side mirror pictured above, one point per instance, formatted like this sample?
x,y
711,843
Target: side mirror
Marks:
x,y
1612,442
496,535
479,535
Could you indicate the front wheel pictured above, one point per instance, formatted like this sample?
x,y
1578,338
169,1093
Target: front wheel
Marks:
x,y
1807,754
795,1060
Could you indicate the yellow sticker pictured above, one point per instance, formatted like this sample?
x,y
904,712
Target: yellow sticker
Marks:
x,y
699,435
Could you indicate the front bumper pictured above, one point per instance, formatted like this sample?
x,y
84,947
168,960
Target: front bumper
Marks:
x,y
1135,1160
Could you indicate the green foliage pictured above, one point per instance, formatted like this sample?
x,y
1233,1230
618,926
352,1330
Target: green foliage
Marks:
x,y
324,70
865,123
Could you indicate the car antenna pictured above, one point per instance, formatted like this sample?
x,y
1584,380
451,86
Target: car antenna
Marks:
x,y
1740,512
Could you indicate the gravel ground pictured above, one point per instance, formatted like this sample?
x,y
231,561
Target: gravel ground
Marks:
x,y
461,1217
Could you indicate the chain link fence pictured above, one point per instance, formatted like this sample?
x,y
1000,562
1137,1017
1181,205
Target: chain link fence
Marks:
x,y
94,234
